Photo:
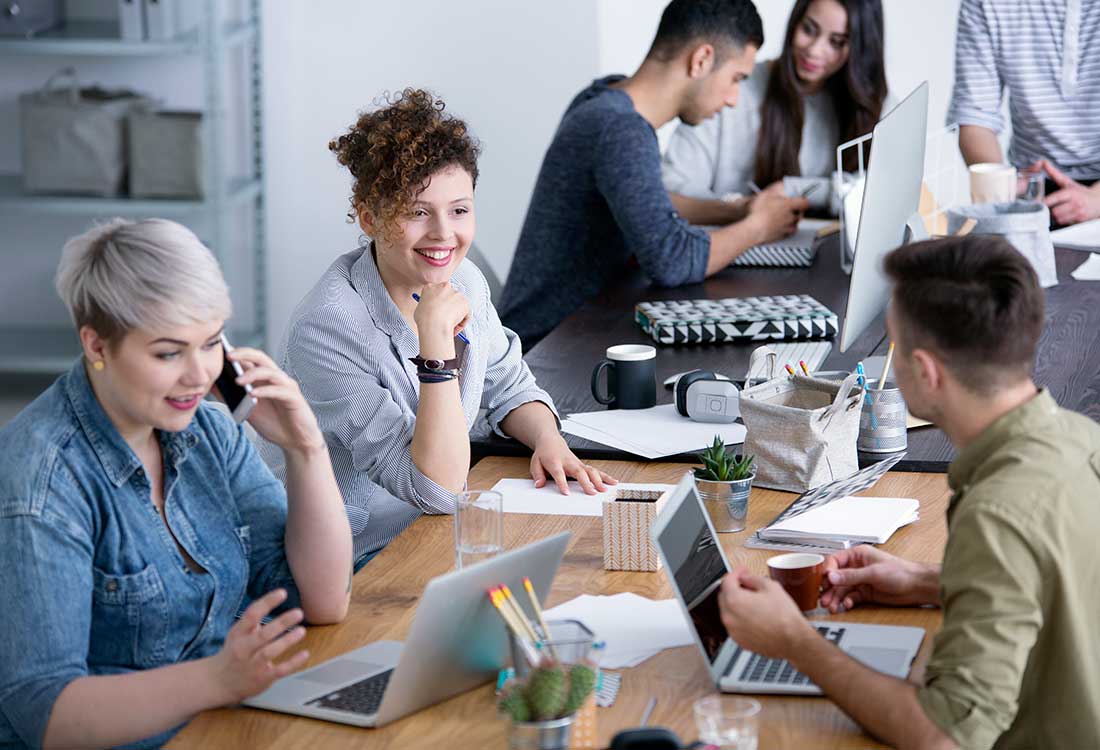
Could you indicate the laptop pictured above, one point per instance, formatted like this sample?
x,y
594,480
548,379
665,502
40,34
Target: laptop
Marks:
x,y
457,641
695,564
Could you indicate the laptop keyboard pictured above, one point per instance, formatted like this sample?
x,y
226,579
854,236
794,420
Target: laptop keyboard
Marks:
x,y
763,669
363,697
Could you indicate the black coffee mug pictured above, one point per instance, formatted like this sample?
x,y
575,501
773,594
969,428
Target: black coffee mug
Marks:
x,y
631,377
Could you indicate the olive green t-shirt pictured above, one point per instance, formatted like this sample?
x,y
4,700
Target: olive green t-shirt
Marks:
x,y
1017,661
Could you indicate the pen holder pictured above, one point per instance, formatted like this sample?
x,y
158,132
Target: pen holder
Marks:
x,y
882,423
626,521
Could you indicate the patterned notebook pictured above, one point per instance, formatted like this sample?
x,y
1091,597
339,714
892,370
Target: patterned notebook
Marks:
x,y
737,320
826,493
776,256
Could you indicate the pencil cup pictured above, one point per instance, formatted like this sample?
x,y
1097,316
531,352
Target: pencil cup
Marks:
x,y
882,424
570,641
626,521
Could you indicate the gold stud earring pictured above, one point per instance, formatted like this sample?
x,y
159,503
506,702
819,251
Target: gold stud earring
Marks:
x,y
98,365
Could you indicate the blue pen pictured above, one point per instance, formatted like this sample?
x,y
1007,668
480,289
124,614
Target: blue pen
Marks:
x,y
461,335
866,394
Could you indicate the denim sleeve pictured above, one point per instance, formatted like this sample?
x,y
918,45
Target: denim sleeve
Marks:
x,y
976,98
338,370
46,580
508,380
262,505
628,175
691,159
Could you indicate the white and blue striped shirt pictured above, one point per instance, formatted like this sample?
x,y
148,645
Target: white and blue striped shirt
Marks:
x,y
1047,53
349,348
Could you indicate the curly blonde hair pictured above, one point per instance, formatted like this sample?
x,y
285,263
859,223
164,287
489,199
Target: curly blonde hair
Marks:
x,y
392,152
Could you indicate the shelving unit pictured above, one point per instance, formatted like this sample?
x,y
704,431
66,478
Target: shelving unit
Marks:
x,y
220,211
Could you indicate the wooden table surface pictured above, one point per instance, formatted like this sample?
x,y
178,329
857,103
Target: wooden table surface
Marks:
x,y
387,590
1068,360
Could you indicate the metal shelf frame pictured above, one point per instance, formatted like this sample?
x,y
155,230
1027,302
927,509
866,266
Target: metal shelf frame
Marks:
x,y
28,349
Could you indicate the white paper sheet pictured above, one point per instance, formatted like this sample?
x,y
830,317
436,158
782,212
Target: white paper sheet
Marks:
x,y
520,496
1083,236
1089,270
651,433
633,627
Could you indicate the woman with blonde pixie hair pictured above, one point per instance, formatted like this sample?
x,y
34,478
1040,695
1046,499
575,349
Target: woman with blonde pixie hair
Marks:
x,y
398,346
137,520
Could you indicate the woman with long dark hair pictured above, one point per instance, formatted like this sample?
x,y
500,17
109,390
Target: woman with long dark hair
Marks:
x,y
827,86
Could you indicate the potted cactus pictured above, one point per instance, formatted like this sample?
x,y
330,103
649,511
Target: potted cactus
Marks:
x,y
724,482
543,707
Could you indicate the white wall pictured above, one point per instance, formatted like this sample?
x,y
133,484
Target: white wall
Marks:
x,y
508,68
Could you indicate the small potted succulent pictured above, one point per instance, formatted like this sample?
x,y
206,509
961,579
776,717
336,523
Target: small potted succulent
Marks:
x,y
543,707
723,482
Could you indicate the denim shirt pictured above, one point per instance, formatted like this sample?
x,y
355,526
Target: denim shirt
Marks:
x,y
92,580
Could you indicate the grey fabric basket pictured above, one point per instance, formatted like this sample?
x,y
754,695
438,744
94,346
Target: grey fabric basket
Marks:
x,y
74,139
1023,223
802,430
165,154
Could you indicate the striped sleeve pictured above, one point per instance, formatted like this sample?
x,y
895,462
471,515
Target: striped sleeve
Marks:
x,y
509,382
979,88
337,369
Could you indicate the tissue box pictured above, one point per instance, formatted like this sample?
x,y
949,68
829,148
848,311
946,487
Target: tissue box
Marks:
x,y
626,521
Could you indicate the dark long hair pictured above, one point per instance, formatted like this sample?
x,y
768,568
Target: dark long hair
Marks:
x,y
857,91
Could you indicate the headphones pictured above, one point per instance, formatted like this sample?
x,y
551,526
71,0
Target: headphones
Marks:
x,y
705,396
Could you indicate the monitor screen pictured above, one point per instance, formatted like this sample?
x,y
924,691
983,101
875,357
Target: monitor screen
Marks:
x,y
696,568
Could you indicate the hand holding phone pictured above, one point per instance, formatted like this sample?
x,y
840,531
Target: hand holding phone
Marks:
x,y
238,398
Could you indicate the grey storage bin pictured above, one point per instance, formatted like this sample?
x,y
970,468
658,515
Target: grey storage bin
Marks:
x,y
1023,223
74,139
166,154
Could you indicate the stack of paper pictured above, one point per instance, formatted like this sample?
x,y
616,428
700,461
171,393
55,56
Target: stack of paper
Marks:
x,y
1083,236
651,433
849,520
632,627
521,496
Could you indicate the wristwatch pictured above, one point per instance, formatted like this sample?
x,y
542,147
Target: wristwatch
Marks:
x,y
435,365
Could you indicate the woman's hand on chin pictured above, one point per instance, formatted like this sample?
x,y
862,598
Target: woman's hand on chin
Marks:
x,y
553,457
281,415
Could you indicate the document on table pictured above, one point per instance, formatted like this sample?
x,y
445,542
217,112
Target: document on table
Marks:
x,y
521,496
633,627
651,433
1089,270
1083,236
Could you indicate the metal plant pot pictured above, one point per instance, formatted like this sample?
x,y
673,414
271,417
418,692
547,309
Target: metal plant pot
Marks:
x,y
541,735
726,502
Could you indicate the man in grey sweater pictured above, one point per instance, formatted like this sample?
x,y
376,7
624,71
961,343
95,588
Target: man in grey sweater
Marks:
x,y
599,204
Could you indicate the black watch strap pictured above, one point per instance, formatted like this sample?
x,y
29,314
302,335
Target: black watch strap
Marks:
x,y
434,365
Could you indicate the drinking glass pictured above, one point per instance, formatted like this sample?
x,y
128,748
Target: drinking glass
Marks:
x,y
727,722
1031,185
479,526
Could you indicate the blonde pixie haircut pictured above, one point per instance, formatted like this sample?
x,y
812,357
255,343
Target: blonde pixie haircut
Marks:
x,y
126,275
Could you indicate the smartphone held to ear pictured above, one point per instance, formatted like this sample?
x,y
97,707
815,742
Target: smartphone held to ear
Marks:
x,y
237,397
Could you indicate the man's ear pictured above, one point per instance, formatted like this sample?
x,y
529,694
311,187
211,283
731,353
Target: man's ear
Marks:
x,y
701,61
929,369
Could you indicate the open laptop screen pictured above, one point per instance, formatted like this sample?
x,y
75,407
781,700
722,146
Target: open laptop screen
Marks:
x,y
696,567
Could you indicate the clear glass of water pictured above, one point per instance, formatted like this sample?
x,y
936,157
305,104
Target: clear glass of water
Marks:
x,y
479,526
727,721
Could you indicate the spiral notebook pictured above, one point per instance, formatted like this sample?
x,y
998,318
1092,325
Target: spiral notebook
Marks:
x,y
796,251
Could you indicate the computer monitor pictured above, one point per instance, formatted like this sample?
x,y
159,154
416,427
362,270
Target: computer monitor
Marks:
x,y
889,215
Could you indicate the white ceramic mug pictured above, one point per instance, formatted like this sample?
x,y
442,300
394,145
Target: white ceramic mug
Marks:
x,y
992,183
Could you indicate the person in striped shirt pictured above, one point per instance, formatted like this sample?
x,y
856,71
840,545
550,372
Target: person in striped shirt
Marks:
x,y
1047,54
398,346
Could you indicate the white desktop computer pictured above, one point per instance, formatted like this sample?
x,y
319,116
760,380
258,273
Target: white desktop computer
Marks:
x,y
889,215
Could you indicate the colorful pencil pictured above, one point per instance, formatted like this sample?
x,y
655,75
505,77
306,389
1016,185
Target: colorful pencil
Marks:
x,y
886,369
790,370
538,613
802,364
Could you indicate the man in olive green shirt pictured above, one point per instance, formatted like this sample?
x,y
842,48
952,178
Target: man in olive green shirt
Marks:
x,y
1017,661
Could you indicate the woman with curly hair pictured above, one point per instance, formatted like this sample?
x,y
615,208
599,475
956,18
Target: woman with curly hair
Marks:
x,y
827,86
398,346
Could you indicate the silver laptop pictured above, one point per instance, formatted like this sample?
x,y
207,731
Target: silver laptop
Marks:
x,y
456,642
695,564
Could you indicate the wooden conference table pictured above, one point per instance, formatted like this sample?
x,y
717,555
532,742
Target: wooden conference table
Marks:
x,y
1068,360
387,590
